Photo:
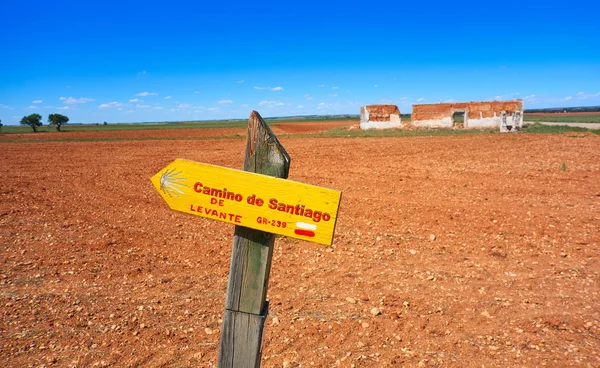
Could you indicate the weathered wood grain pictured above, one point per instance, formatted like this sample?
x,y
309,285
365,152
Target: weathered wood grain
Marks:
x,y
245,303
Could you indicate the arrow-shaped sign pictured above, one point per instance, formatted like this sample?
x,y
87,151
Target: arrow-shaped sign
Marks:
x,y
252,200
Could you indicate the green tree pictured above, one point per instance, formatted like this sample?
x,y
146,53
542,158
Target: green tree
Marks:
x,y
58,120
0,125
33,120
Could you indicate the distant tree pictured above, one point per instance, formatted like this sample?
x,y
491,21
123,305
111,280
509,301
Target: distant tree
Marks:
x,y
0,125
58,120
105,123
33,120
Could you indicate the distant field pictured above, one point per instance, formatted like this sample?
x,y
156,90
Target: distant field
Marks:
x,y
234,123
569,117
149,126
574,117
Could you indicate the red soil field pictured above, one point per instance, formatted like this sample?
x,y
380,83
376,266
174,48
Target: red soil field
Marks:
x,y
453,251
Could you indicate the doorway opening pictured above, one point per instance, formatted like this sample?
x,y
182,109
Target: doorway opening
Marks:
x,y
459,119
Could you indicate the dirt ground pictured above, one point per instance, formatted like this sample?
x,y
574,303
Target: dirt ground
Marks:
x,y
450,251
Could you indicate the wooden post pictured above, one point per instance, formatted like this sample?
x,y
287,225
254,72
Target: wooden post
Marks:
x,y
246,307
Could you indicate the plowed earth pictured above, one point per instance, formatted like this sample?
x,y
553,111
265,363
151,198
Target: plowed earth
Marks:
x,y
449,251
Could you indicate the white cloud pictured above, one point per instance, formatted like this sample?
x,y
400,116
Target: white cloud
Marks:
x,y
225,102
168,97
33,107
184,106
377,85
333,94
335,87
37,101
244,105
299,107
583,96
240,81
529,98
135,100
196,92
278,88
212,109
321,85
143,72
143,106
308,97
268,103
144,94
110,104
258,87
498,98
158,108
322,104
420,99
128,111
567,98
71,100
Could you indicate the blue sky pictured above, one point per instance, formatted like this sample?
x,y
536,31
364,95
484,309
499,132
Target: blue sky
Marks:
x,y
134,61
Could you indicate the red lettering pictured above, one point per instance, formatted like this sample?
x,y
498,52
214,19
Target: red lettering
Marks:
x,y
195,209
256,201
220,202
272,203
197,187
238,219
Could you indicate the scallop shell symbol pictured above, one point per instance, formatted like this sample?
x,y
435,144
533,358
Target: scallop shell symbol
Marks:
x,y
171,183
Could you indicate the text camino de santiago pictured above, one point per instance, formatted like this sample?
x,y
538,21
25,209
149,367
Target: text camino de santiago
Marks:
x,y
274,204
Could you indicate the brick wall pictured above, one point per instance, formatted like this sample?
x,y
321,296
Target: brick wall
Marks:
x,y
476,110
382,112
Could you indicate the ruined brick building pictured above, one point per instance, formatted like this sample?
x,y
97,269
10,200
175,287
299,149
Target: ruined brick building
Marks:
x,y
380,117
506,115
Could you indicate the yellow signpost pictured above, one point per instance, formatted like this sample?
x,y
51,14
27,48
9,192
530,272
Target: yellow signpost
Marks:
x,y
252,200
